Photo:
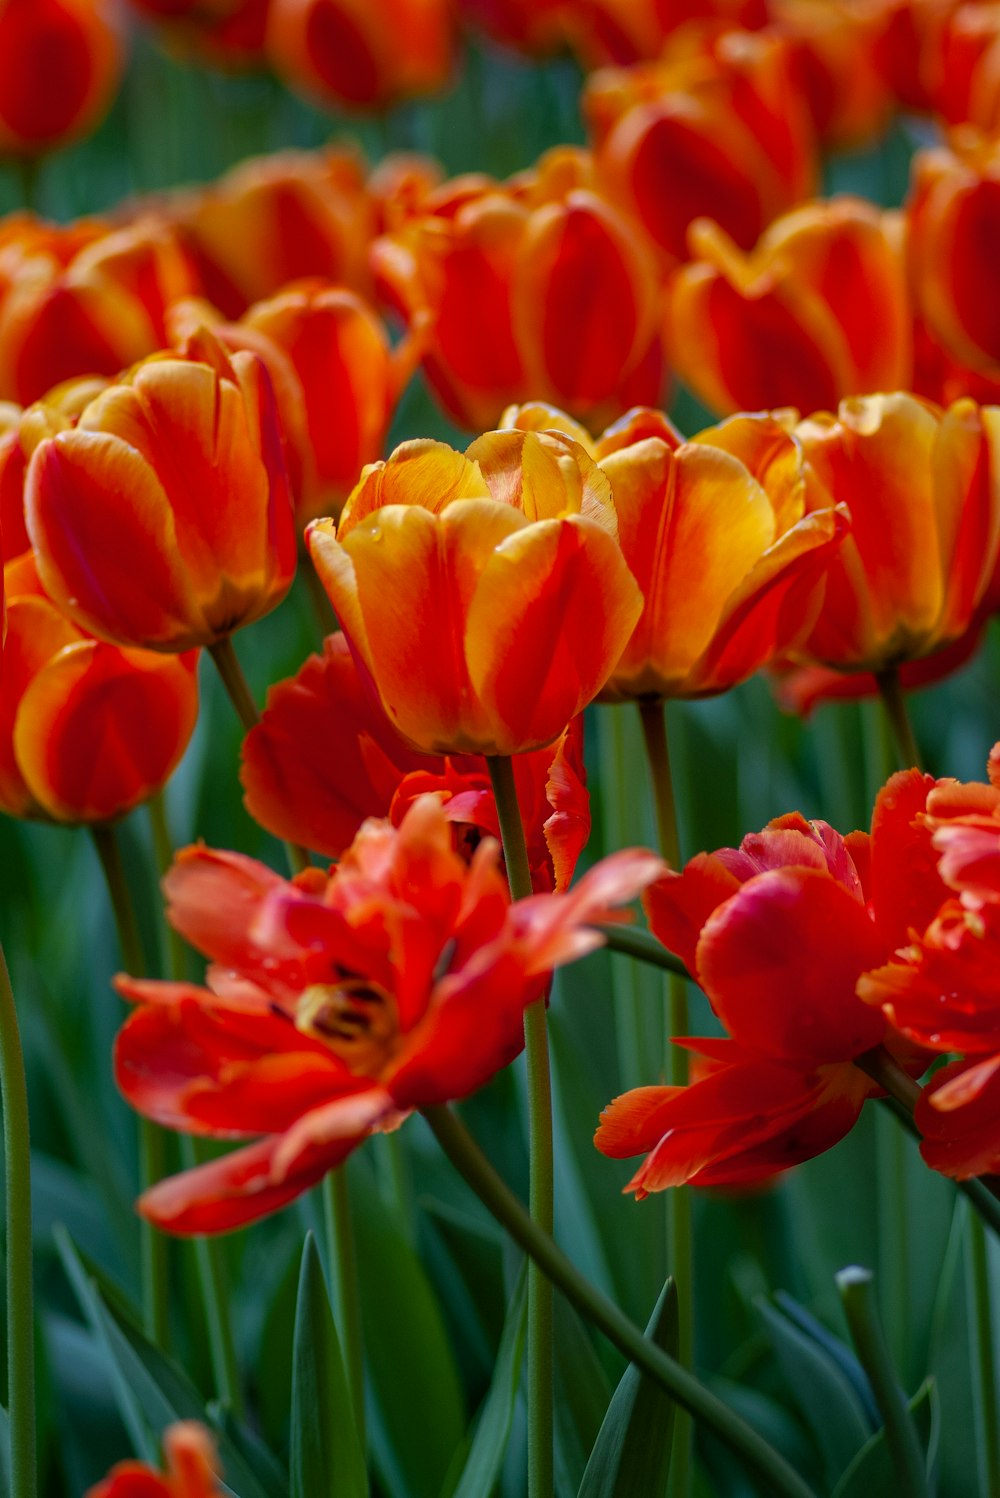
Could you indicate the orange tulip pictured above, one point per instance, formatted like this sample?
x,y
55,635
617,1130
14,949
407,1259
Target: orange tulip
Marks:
x,y
921,486
954,211
361,52
275,219
485,595
224,33
835,68
621,32
535,27
84,301
20,433
336,379
60,63
533,287
163,518
87,731
191,1470
819,309
715,129
964,66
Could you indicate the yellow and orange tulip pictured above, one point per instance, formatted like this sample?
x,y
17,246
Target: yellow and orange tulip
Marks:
x,y
484,595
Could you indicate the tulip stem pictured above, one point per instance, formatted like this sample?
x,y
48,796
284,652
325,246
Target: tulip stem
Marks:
x,y
653,717
541,1477
984,1381
20,1307
903,1094
343,1266
894,704
909,1466
632,941
152,1164
207,1251
778,1478
227,663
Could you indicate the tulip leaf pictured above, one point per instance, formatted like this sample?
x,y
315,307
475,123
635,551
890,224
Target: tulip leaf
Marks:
x,y
418,1423
151,1390
872,1470
326,1454
583,1393
837,1351
481,1469
819,1387
632,1451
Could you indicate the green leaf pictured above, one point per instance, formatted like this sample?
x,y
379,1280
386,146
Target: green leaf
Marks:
x,y
820,1389
481,1470
871,1470
326,1455
151,1390
583,1393
632,1451
418,1422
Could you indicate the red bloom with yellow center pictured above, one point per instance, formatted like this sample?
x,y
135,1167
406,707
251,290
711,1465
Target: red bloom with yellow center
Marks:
x,y
538,286
191,1469
778,933
324,757
336,1004
921,487
163,518
484,595
819,309
87,731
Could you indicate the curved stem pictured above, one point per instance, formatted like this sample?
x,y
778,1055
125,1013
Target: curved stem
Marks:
x,y
227,663
20,1296
632,941
894,703
779,1479
653,716
903,1092
208,1252
541,1476
909,1467
152,1164
344,1281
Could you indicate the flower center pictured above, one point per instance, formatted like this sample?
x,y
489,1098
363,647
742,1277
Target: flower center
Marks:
x,y
355,1018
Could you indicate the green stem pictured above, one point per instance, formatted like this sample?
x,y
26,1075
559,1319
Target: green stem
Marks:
x,y
207,1251
780,1480
653,717
903,1093
894,704
541,1476
344,1279
894,1235
984,1383
909,1466
227,663
633,941
20,1295
152,1164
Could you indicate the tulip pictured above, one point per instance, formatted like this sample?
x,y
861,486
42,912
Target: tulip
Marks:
x,y
954,213
534,27
818,309
191,1469
715,129
964,66
278,218
336,380
87,731
90,303
921,487
162,519
834,65
484,595
324,757
778,933
533,287
223,33
360,53
341,1002
60,64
